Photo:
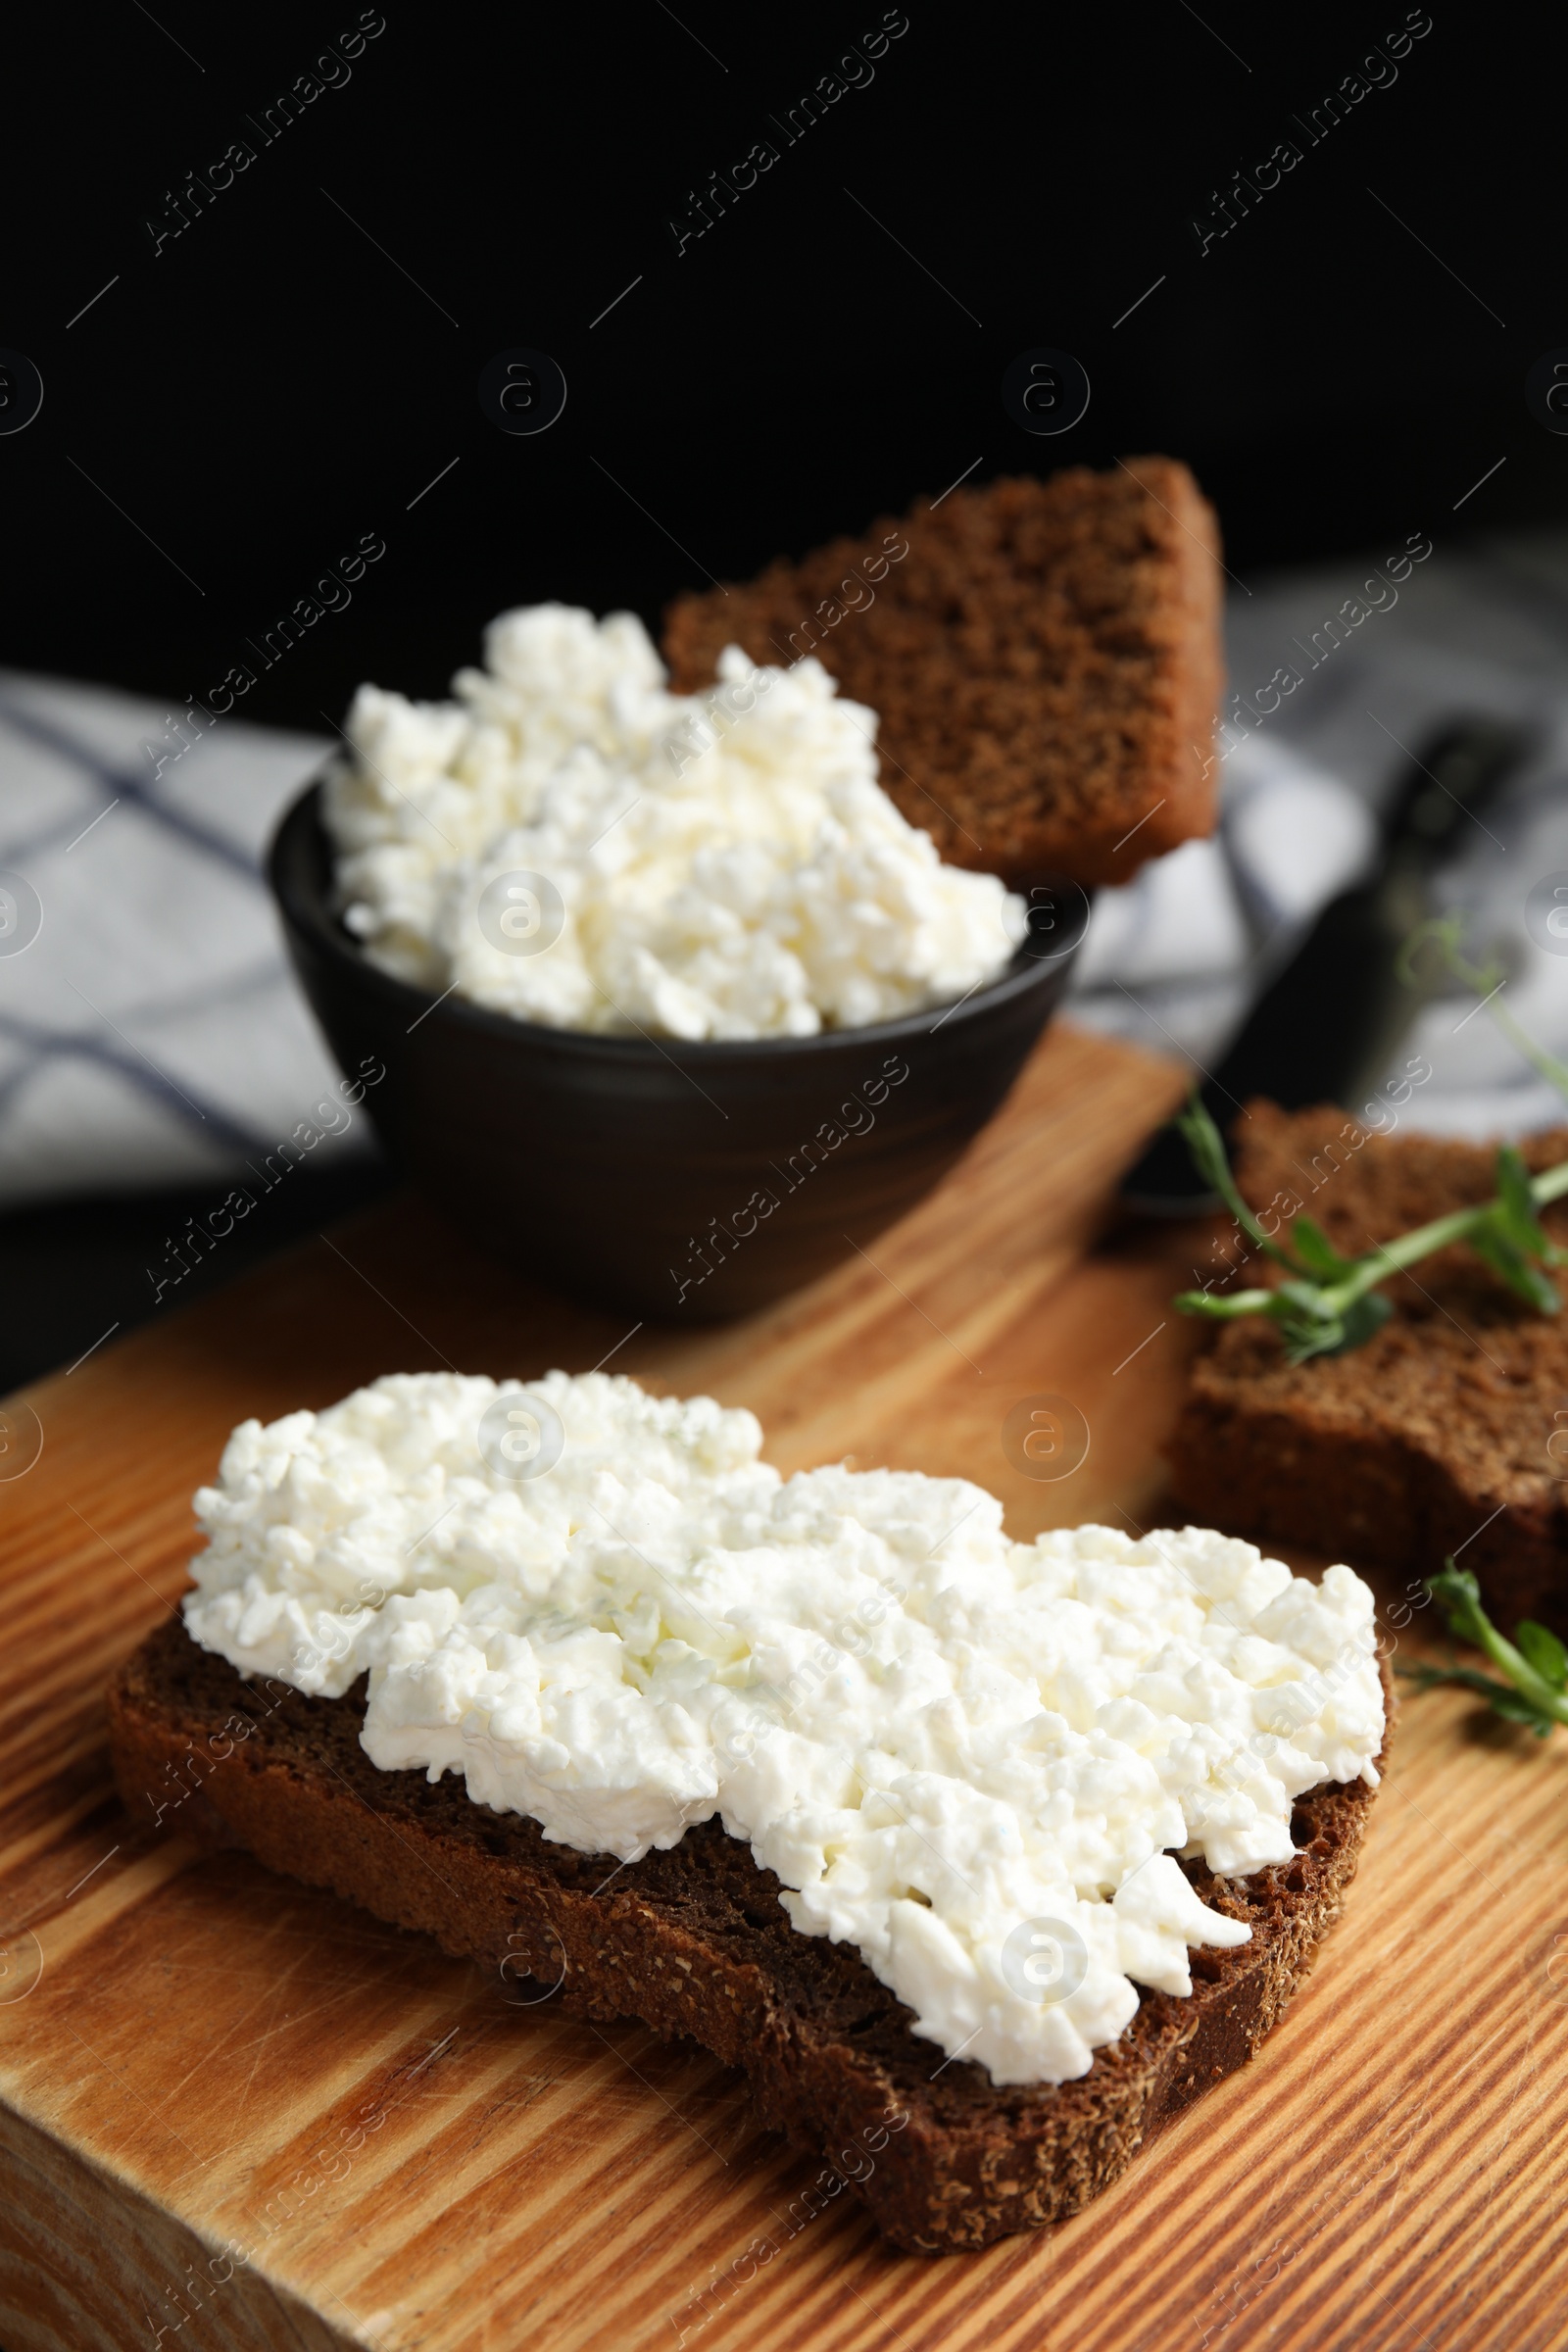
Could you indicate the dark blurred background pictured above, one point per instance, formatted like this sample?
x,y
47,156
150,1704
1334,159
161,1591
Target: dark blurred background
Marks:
x,y
298,367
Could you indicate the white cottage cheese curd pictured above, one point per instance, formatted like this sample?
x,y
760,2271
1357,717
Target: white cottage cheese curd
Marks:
x,y
938,1739
728,865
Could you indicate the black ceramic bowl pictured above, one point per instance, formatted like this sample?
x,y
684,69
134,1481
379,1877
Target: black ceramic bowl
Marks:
x,y
668,1179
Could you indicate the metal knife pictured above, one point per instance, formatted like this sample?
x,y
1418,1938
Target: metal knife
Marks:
x,y
1329,1023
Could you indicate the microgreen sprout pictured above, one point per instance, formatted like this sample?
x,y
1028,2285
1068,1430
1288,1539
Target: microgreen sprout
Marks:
x,y
1446,932
1535,1663
1327,1303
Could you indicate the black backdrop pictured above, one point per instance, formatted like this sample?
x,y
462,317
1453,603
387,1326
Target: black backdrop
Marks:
x,y
296,364
270,384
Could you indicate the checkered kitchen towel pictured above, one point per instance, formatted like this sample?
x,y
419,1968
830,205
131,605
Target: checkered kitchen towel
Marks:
x,y
151,1033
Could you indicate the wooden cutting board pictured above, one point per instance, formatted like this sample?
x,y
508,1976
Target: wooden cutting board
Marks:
x,y
237,2113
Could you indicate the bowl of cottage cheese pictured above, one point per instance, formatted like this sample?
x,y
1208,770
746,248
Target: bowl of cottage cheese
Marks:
x,y
675,1006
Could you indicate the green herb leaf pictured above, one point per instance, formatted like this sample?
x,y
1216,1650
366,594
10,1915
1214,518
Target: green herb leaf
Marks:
x,y
1516,1212
1325,1332
1516,1206
1495,1247
1205,1142
1363,1317
1535,1663
1447,932
1304,1340
1432,1678
1316,1252
1545,1653
1513,1708
1305,1300
1458,1595
1207,1148
1309,1323
1503,1698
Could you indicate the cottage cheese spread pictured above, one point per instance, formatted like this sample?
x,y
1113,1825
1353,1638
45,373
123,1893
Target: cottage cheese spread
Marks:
x,y
728,865
938,1739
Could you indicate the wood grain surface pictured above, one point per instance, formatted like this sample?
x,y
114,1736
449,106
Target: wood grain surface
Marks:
x,y
236,2114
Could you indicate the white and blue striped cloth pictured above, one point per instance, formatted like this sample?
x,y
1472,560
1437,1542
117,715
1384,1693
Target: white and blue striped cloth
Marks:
x,y
152,1034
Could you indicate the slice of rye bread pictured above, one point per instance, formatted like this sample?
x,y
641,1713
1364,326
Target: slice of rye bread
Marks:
x,y
694,1941
1433,1438
1044,662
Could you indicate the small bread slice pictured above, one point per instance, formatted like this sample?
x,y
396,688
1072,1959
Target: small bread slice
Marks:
x,y
1043,657
1446,1433
694,1941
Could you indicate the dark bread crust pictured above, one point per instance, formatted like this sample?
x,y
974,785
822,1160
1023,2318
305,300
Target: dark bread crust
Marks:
x,y
1044,662
694,1941
1431,1437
